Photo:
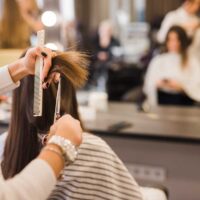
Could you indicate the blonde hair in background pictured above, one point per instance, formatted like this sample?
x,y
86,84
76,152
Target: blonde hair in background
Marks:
x,y
14,31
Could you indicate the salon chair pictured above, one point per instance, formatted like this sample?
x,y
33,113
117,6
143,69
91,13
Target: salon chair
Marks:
x,y
153,193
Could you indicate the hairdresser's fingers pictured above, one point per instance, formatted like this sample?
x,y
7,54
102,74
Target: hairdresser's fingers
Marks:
x,y
47,54
49,80
57,77
37,52
69,128
53,129
28,61
51,133
30,57
34,52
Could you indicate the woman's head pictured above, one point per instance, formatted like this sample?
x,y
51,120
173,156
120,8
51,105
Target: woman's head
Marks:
x,y
177,41
105,29
27,5
192,6
22,144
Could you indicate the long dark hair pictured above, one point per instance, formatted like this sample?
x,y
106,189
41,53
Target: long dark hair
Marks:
x,y
184,42
22,144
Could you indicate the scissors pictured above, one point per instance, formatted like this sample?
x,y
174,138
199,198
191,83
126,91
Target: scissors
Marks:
x,y
57,115
58,102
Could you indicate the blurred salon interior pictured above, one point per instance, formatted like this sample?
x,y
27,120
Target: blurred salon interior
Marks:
x,y
142,94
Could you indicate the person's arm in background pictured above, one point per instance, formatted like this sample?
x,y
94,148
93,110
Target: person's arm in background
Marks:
x,y
191,83
165,26
37,180
11,74
150,82
191,26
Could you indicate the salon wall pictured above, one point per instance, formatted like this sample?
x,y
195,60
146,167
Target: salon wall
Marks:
x,y
91,12
155,8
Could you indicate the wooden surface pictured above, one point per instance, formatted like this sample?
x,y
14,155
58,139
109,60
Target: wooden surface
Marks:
x,y
161,123
164,123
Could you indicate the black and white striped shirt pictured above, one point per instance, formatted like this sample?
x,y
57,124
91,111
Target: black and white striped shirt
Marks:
x,y
96,174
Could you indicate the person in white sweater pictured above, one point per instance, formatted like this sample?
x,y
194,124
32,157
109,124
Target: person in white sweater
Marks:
x,y
185,16
38,179
173,72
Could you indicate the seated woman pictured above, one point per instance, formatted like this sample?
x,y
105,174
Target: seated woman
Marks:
x,y
103,45
97,173
173,77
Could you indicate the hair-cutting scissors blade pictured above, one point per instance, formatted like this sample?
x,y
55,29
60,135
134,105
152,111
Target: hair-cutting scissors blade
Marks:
x,y
58,102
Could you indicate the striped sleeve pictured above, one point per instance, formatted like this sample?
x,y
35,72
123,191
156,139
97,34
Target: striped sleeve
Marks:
x,y
96,174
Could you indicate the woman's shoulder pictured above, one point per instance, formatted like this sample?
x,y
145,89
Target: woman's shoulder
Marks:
x,y
156,61
90,138
166,57
158,57
97,171
95,143
97,159
95,151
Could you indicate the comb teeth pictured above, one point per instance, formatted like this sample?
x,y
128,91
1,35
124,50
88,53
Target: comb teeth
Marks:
x,y
38,90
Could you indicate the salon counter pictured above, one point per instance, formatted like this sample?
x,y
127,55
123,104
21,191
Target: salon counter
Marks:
x,y
162,123
161,148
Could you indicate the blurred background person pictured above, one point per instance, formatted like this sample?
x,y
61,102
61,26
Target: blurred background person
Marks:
x,y
173,77
103,45
185,16
19,20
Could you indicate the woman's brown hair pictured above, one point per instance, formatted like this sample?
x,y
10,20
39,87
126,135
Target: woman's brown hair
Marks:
x,y
184,40
22,144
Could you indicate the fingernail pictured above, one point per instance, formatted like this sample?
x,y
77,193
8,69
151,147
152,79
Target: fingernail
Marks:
x,y
44,54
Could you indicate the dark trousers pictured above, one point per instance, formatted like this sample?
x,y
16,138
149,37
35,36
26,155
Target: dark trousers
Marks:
x,y
181,99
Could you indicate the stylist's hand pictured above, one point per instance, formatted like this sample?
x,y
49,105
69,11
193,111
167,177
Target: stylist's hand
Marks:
x,y
26,65
191,26
170,85
69,128
28,61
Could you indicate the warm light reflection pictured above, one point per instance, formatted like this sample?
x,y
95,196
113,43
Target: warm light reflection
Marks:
x,y
49,18
51,46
